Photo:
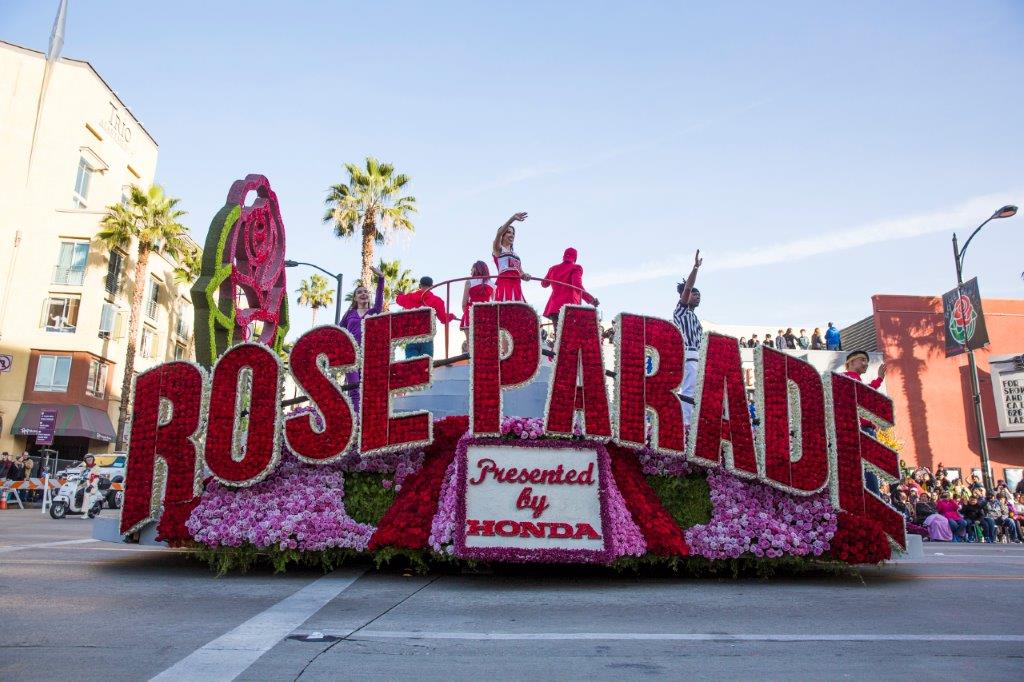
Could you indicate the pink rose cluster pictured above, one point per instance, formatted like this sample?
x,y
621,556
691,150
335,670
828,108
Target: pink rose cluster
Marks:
x,y
525,428
751,518
300,506
627,538
443,525
656,463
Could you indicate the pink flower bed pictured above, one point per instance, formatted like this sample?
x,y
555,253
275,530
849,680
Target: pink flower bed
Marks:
x,y
750,518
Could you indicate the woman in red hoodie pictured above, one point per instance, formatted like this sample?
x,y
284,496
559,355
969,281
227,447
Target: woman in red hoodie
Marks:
x,y
568,272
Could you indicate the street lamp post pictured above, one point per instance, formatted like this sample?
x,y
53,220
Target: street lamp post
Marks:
x,y
337,278
958,257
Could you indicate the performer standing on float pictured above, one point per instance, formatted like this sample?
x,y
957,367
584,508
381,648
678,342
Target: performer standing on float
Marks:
x,y
686,319
570,273
510,267
477,290
353,322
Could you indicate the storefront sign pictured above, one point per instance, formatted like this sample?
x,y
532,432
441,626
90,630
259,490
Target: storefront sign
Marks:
x,y
1008,391
47,427
530,501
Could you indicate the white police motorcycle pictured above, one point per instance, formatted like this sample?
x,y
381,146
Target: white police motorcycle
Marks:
x,y
79,495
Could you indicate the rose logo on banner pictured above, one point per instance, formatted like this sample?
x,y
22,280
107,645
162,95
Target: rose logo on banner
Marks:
x,y
963,321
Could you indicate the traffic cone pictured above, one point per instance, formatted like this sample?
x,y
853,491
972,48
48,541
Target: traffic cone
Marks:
x,y
3,501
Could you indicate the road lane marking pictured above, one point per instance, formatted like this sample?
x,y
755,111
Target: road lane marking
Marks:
x,y
41,545
226,657
684,637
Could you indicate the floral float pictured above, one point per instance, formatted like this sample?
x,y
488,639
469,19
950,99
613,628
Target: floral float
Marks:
x,y
609,475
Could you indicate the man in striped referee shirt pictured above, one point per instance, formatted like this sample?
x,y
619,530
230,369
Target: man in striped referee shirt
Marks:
x,y
686,319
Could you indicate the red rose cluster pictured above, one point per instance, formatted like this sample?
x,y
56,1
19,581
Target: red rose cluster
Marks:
x,y
382,376
182,383
406,523
304,437
493,369
578,353
860,540
663,535
637,392
854,448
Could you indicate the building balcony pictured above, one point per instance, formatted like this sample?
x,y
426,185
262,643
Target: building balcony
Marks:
x,y
68,276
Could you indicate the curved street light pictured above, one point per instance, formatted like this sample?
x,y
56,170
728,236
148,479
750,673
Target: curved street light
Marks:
x,y
337,278
1007,211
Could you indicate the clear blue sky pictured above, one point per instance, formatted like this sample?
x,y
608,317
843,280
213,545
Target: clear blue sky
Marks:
x,y
817,153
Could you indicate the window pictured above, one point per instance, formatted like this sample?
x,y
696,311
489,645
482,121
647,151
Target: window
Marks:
x,y
180,352
71,259
52,373
97,382
152,299
82,180
114,265
60,314
147,348
183,328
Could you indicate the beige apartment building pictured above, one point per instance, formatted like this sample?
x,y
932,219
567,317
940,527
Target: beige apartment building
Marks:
x,y
64,296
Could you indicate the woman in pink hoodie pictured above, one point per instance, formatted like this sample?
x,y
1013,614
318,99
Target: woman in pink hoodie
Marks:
x,y
947,506
568,272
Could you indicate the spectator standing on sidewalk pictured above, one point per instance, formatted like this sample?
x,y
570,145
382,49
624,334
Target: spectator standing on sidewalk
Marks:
x,y
832,339
5,464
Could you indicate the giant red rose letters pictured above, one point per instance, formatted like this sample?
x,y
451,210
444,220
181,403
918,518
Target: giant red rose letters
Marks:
x,y
228,421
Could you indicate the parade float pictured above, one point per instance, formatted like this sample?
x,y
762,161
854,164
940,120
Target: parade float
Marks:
x,y
598,469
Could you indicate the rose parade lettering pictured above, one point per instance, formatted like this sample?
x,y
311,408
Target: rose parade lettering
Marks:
x,y
572,486
205,426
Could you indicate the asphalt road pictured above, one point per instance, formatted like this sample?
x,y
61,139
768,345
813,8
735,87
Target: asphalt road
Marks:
x,y
86,610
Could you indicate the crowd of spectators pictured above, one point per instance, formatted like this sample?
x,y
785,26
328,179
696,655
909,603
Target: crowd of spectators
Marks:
x,y
829,340
18,468
939,508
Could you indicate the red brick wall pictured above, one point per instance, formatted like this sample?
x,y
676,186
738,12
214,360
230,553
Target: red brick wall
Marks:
x,y
932,393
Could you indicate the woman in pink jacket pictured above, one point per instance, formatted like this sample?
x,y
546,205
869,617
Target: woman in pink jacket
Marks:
x,y
947,506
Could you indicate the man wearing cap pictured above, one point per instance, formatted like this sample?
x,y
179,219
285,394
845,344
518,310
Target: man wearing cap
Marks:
x,y
424,298
686,319
856,365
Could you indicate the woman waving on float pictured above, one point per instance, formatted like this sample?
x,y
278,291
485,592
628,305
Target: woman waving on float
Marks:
x,y
510,267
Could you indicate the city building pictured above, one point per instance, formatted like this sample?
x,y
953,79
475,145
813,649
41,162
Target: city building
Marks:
x,y
64,296
932,394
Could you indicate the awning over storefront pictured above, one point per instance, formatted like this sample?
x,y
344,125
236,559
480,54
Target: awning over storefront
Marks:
x,y
72,420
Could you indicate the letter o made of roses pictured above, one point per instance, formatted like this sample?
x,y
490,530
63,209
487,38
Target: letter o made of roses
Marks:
x,y
262,446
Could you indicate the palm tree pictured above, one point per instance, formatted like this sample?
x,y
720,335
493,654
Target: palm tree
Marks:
x,y
149,219
315,294
396,280
371,205
190,265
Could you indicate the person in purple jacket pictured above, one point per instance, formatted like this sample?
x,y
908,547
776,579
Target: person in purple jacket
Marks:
x,y
353,322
